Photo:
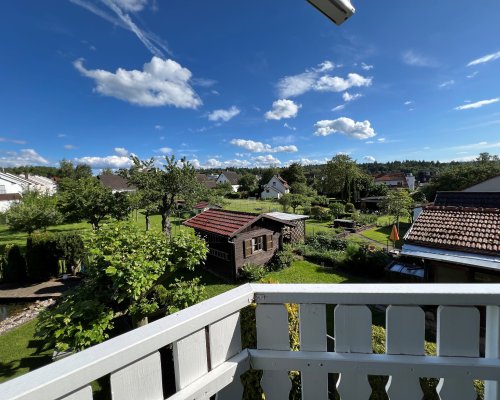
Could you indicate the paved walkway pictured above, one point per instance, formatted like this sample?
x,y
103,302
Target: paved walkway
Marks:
x,y
38,291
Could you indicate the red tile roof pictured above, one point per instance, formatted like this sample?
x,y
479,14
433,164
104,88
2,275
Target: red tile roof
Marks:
x,y
221,222
473,230
204,204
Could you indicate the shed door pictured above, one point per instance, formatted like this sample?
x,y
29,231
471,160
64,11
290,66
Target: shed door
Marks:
x,y
269,242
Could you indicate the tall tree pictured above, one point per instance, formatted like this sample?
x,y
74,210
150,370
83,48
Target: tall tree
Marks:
x,y
35,211
248,183
341,174
266,175
162,187
87,199
398,203
293,174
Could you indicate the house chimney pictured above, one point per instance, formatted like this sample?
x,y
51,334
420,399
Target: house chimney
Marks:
x,y
26,175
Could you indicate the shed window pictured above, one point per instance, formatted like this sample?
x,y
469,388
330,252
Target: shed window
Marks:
x,y
258,244
2,189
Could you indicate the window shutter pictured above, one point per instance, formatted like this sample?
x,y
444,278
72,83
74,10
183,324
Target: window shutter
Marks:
x,y
269,242
248,248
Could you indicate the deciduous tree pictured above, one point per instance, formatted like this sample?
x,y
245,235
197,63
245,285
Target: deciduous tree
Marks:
x,y
398,203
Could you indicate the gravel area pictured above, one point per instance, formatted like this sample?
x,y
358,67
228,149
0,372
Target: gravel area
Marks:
x,y
29,313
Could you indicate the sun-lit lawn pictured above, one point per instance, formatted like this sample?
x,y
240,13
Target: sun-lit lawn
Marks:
x,y
381,234
303,271
252,206
20,352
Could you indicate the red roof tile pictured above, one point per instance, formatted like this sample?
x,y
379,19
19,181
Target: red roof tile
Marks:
x,y
473,230
221,222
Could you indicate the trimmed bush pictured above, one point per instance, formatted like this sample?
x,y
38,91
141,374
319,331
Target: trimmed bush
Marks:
x,y
326,241
362,260
282,259
13,265
349,208
320,213
252,272
48,255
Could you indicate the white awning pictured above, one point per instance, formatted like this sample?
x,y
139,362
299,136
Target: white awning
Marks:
x,y
456,257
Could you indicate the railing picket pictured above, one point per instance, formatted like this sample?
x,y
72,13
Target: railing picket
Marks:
x,y
272,334
457,335
82,394
140,380
405,335
312,327
353,334
225,342
190,359
492,349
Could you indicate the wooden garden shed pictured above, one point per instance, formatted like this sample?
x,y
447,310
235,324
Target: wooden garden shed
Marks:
x,y
236,238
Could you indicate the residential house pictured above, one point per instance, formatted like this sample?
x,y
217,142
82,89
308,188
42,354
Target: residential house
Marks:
x,y
206,181
116,183
41,183
7,199
231,177
13,184
458,238
235,238
396,180
275,188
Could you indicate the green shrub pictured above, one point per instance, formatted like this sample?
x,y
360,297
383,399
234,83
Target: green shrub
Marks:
x,y
349,208
361,259
47,253
326,241
364,219
320,213
13,265
331,258
252,272
282,259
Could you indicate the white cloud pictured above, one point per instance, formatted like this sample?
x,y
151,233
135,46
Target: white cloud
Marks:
x,y
120,17
447,83
61,135
339,107
259,147
351,97
131,5
418,60
22,157
121,151
317,79
164,150
473,74
476,146
346,126
366,67
224,115
369,159
477,104
408,103
265,161
203,82
288,139
337,84
283,109
307,161
485,59
159,127
15,141
69,147
214,163
160,83
112,162
292,128
295,85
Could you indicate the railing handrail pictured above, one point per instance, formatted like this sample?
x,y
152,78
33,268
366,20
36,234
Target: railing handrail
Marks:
x,y
74,372
385,293
78,370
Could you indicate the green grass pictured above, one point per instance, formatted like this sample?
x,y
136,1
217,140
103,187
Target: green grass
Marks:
x,y
381,234
20,352
252,206
303,271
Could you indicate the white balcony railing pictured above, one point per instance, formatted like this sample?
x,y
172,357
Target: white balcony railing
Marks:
x,y
208,358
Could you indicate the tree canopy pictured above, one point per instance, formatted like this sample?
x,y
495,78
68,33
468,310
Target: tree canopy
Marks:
x,y
161,188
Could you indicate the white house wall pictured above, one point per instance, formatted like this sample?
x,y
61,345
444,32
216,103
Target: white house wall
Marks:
x,y
10,186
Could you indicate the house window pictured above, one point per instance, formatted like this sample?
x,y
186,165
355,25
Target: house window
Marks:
x,y
2,189
258,244
274,183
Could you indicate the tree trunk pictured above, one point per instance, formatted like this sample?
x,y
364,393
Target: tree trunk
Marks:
x,y
148,222
138,321
166,227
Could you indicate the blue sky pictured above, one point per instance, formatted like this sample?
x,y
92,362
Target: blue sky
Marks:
x,y
233,83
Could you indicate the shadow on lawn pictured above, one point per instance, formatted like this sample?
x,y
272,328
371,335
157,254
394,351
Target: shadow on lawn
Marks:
x,y
38,358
